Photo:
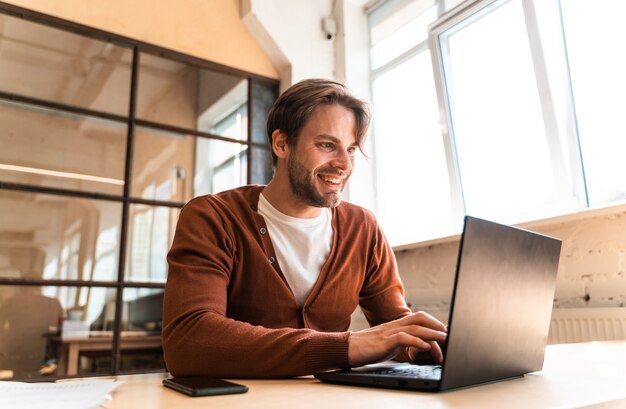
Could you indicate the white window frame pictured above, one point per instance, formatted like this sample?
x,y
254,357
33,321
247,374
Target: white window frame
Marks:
x,y
456,19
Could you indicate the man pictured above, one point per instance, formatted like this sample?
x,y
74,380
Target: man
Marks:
x,y
263,279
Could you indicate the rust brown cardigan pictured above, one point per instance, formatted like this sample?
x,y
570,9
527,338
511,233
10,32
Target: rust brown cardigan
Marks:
x,y
229,312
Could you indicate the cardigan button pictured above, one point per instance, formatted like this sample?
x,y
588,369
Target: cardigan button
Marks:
x,y
271,260
262,230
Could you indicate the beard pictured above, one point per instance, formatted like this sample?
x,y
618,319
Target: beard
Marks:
x,y
303,185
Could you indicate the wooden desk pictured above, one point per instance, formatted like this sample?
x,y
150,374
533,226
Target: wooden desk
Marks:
x,y
591,375
70,348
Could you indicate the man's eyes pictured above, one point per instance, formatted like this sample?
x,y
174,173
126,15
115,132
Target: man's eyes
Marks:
x,y
329,146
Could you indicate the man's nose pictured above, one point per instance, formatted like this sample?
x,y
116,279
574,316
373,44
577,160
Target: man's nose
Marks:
x,y
343,160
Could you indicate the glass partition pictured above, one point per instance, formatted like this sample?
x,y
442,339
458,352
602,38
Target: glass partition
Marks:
x,y
53,237
141,336
163,165
59,318
102,141
219,166
151,231
50,148
55,65
182,95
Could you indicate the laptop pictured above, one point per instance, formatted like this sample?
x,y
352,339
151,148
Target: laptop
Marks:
x,y
499,316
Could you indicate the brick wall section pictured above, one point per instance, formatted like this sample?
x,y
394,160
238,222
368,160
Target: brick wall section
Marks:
x,y
591,269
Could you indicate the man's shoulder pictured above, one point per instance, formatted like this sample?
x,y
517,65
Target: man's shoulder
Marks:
x,y
243,196
351,208
349,212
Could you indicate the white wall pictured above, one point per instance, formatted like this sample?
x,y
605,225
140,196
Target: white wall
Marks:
x,y
290,33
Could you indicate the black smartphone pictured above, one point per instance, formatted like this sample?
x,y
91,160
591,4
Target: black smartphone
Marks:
x,y
203,386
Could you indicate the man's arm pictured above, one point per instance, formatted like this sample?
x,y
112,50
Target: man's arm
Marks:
x,y
396,332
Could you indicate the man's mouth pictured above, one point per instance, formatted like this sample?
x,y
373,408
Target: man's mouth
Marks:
x,y
331,180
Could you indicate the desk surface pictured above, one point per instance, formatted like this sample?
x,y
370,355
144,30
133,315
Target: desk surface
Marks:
x,y
574,375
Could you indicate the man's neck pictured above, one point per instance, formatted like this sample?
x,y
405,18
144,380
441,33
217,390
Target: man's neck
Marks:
x,y
282,198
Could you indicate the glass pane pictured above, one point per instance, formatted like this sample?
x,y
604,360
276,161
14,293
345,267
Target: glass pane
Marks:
x,y
44,62
403,38
219,166
141,337
263,94
39,325
502,146
162,165
151,231
178,94
223,105
49,148
54,237
595,34
261,163
408,142
144,311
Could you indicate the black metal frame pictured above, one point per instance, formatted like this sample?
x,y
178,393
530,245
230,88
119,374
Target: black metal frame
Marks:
x,y
132,122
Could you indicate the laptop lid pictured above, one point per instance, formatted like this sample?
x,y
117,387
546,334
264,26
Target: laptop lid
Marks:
x,y
500,310
501,303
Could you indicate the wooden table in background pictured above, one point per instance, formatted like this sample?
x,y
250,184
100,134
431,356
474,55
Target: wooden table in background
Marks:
x,y
70,348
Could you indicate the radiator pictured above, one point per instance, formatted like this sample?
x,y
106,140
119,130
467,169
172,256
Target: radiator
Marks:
x,y
587,324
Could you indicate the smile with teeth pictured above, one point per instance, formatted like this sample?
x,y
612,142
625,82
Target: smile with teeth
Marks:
x,y
333,180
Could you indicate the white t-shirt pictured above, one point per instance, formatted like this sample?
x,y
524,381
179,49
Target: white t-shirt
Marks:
x,y
302,246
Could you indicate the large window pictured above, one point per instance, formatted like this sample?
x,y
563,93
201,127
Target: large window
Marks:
x,y
406,130
594,33
103,141
503,150
528,95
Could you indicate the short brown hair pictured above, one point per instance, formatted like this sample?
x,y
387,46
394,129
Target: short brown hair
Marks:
x,y
294,107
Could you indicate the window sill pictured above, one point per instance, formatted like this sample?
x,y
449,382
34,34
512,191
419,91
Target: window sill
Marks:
x,y
619,207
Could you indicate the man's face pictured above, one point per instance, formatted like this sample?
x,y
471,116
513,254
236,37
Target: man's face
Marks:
x,y
322,160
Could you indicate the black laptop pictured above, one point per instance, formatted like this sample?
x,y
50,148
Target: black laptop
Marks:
x,y
499,316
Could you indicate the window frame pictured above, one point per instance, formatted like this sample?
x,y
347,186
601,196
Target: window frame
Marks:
x,y
455,20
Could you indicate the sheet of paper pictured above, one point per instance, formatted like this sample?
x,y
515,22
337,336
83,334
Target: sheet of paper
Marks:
x,y
79,394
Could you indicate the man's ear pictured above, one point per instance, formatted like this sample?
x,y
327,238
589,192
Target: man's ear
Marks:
x,y
279,144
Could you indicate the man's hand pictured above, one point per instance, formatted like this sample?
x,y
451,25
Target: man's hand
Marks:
x,y
419,330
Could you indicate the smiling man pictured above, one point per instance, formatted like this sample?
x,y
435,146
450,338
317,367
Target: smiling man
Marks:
x,y
263,280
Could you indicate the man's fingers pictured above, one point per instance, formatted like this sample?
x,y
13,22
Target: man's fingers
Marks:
x,y
424,333
436,352
423,319
420,356
420,331
407,340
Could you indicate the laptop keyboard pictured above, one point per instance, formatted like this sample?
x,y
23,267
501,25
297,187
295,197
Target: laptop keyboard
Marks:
x,y
413,371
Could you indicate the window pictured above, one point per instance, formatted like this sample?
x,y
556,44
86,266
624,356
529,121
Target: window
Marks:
x,y
103,141
406,132
594,33
528,95
502,147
